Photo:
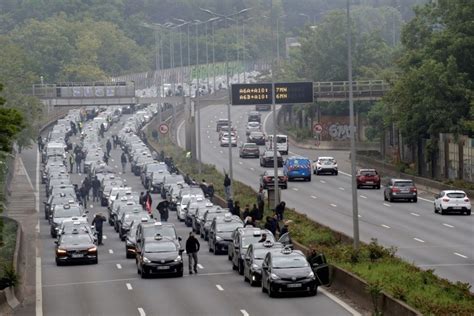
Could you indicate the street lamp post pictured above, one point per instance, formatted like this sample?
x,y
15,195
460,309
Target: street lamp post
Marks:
x,y
355,211
278,36
226,17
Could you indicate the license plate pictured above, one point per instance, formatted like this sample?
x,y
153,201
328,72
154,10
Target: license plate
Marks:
x,y
294,285
162,268
405,191
457,207
77,255
370,182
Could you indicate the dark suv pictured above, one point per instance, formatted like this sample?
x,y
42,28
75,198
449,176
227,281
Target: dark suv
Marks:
x,y
400,189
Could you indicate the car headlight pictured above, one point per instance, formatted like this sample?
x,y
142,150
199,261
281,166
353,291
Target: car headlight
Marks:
x,y
178,259
274,276
92,249
311,275
61,251
146,260
218,238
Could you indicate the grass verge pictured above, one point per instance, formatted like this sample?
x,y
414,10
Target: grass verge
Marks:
x,y
8,229
379,266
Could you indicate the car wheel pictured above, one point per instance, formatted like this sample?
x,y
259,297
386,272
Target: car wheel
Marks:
x,y
358,186
443,212
210,249
58,263
336,173
179,274
96,261
435,209
234,267
313,292
246,279
378,187
144,274
309,178
468,213
385,197
415,200
270,292
390,199
138,270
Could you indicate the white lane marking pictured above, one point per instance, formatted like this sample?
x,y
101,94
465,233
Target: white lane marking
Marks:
x,y
112,160
129,286
220,288
295,189
460,255
343,304
116,166
200,266
221,151
322,181
359,215
104,237
346,174
208,136
419,240
244,312
208,126
313,197
240,162
111,251
363,196
252,169
141,311
447,225
415,214
38,278
426,200
341,188
385,226
387,205
333,205
119,266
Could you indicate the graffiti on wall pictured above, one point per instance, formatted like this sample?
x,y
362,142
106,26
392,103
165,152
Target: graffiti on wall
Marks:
x,y
339,131
335,128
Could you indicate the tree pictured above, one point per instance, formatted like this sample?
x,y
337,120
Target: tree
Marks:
x,y
11,123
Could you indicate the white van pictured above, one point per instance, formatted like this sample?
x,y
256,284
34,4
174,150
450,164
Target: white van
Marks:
x,y
282,143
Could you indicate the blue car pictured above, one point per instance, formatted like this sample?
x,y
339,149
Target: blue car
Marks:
x,y
297,168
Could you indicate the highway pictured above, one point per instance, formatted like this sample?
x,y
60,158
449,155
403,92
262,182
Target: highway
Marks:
x,y
113,287
432,241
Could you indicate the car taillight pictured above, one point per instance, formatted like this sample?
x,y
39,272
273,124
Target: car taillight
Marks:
x,y
413,190
266,178
466,200
445,200
395,190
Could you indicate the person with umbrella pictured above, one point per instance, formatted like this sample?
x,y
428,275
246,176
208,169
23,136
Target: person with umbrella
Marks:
x,y
163,210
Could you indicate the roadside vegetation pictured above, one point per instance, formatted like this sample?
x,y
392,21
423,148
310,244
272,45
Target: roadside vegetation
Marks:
x,y
379,266
8,229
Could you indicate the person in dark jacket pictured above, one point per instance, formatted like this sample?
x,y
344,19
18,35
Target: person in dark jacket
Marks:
x,y
98,222
271,224
106,158
95,189
78,157
192,248
254,213
148,202
141,199
236,209
210,191
261,203
280,209
84,193
123,160
230,205
108,146
227,184
162,208
246,212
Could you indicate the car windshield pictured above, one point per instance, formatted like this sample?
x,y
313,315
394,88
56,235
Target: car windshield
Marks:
x,y
250,146
456,195
228,227
281,140
284,262
259,254
75,239
256,134
248,240
166,231
135,217
253,124
61,213
368,173
155,247
403,184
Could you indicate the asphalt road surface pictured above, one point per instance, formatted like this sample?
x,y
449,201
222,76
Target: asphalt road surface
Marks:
x,y
432,241
113,287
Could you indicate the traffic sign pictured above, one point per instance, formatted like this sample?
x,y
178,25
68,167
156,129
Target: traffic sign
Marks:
x,y
164,128
317,128
261,93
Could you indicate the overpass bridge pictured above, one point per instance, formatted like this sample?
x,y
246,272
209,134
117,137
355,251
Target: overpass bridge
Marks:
x,y
123,93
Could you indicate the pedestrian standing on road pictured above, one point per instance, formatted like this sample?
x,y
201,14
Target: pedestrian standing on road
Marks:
x,y
106,158
261,203
280,209
71,162
254,213
236,209
115,141
84,195
230,206
123,159
246,212
102,130
98,222
39,140
95,189
86,183
148,202
141,199
227,184
109,147
162,208
78,158
192,248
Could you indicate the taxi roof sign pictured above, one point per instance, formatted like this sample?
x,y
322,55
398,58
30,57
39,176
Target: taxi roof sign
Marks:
x,y
286,251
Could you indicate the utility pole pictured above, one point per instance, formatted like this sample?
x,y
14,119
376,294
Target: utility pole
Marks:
x,y
275,150
355,210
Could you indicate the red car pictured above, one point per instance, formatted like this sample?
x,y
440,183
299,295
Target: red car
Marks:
x,y
368,177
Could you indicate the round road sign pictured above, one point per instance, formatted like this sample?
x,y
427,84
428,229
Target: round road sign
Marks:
x,y
317,128
164,128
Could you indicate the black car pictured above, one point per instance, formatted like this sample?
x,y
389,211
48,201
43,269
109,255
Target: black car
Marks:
x,y
241,239
266,159
288,271
159,256
249,150
128,218
257,138
220,233
76,247
254,116
151,228
60,213
254,257
208,218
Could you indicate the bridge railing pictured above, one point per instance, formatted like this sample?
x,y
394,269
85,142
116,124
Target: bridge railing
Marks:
x,y
339,90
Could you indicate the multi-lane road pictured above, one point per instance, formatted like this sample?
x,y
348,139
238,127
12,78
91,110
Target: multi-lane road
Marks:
x,y
113,287
432,241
